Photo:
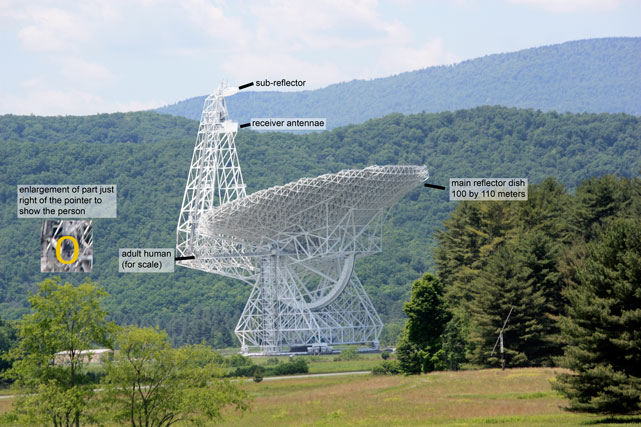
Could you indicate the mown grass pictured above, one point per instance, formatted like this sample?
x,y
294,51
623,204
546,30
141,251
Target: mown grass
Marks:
x,y
5,391
517,396
467,398
5,405
342,366
326,363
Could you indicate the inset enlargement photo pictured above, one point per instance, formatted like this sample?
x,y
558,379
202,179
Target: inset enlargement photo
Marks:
x,y
67,246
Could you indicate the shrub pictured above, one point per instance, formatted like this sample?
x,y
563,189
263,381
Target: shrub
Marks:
x,y
272,361
258,374
237,360
348,354
244,371
387,367
296,365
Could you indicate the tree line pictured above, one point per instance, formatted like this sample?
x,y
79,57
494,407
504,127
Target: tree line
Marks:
x,y
568,268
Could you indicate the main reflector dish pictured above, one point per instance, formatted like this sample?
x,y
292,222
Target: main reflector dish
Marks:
x,y
296,243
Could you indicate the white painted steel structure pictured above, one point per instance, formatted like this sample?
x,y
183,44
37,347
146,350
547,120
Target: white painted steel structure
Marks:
x,y
295,244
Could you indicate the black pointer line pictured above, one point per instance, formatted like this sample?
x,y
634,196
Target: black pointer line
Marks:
x,y
438,187
246,85
245,125
184,258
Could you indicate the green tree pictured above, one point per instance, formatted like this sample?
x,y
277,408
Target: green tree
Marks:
x,y
602,328
149,383
472,237
538,256
420,347
502,284
8,339
258,374
349,353
598,200
455,342
472,233
546,210
408,355
48,360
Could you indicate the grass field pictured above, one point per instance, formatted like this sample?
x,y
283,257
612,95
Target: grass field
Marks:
x,y
325,363
514,396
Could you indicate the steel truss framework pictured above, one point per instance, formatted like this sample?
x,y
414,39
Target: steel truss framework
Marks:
x,y
295,244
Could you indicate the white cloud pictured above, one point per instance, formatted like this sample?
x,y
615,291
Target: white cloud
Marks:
x,y
33,82
368,43
565,6
294,26
212,20
78,69
135,106
398,52
50,29
401,58
250,66
80,43
68,102
51,102
62,27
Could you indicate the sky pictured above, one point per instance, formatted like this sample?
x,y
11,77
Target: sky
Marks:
x,y
96,56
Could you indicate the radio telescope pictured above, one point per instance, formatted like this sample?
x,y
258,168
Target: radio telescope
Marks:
x,y
295,244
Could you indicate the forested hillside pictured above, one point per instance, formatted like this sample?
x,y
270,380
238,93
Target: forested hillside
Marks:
x,y
527,259
147,155
597,75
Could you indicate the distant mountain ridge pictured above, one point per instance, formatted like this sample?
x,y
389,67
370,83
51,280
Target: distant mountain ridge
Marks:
x,y
595,75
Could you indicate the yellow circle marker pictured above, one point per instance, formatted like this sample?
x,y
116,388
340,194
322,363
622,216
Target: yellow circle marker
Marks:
x,y
59,248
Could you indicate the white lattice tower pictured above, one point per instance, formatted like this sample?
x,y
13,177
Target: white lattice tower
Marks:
x,y
295,244
215,177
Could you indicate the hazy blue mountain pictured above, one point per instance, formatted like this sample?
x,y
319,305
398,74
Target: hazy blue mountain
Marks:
x,y
596,75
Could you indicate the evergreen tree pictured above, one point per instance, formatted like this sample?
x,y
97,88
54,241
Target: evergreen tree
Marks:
x,y
502,284
474,231
598,201
458,249
603,325
539,260
546,210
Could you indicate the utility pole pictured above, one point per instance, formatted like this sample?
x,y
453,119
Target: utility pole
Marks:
x,y
500,339
502,353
